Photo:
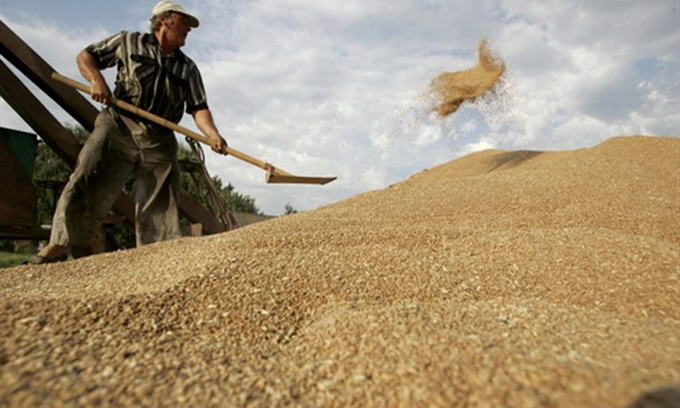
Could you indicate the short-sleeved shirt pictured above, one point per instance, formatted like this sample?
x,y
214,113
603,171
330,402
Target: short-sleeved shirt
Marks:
x,y
160,84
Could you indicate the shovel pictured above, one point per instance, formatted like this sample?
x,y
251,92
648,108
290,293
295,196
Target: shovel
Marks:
x,y
274,175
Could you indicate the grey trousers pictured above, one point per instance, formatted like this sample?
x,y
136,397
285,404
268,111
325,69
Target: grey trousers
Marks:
x,y
118,148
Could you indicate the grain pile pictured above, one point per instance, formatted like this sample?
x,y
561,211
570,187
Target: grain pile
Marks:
x,y
451,89
520,279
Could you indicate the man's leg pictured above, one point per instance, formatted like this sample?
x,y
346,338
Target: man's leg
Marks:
x,y
105,185
94,185
157,217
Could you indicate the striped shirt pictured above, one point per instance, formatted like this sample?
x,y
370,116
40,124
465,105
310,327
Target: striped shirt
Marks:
x,y
160,84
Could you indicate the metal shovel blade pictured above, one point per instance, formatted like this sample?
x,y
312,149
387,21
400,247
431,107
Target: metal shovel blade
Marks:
x,y
275,177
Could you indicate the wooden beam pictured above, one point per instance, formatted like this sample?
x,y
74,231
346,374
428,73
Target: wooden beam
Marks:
x,y
37,116
12,232
196,212
15,50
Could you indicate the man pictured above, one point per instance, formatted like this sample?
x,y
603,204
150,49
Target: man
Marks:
x,y
156,76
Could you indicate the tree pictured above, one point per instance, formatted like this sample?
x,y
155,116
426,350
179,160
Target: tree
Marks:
x,y
289,209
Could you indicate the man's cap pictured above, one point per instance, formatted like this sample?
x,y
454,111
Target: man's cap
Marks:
x,y
166,5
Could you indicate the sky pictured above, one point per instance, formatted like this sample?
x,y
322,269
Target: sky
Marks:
x,y
338,87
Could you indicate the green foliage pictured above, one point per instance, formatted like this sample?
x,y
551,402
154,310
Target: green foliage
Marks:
x,y
9,259
288,209
235,200
6,245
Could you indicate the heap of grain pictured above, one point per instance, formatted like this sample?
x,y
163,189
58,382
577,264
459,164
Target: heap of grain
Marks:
x,y
451,89
499,279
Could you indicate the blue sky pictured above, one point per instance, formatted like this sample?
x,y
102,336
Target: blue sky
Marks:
x,y
337,87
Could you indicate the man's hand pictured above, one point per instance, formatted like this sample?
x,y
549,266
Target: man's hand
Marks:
x,y
205,123
219,145
100,91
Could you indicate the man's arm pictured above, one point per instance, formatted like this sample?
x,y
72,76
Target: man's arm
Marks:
x,y
87,65
205,123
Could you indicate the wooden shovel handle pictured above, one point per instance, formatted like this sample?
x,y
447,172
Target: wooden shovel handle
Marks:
x,y
170,125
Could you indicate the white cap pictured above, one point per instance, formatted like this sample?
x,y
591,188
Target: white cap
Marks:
x,y
166,5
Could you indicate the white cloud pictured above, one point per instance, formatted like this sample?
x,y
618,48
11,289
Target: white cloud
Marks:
x,y
582,130
581,61
482,144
